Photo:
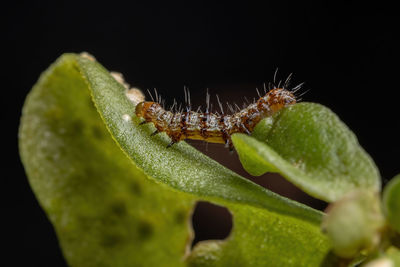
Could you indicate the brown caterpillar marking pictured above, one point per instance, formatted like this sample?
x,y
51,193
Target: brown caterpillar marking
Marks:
x,y
214,127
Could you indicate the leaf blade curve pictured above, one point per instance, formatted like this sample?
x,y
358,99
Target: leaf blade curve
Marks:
x,y
312,148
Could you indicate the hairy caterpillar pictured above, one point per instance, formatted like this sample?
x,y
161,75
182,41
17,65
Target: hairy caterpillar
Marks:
x,y
214,127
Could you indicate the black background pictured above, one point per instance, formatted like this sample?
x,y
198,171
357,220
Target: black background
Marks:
x,y
347,55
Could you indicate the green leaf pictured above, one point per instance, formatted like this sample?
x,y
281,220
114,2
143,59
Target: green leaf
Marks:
x,y
89,162
310,147
391,202
104,210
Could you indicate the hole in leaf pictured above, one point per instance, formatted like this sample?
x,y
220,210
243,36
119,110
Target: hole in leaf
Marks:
x,y
210,221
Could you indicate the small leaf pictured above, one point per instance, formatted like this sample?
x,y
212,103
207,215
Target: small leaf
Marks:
x,y
391,202
89,161
310,147
354,224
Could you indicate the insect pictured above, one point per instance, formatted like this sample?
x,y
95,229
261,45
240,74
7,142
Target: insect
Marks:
x,y
214,127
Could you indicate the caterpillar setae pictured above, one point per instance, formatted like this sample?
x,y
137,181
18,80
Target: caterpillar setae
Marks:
x,y
214,127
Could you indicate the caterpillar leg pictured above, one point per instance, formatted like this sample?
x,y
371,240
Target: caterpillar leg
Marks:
x,y
229,144
174,140
170,144
245,129
154,133
175,136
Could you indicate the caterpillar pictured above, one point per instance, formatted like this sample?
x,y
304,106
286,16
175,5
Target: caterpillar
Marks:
x,y
214,127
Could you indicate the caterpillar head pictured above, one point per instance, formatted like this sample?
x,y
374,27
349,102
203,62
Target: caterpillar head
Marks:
x,y
279,98
144,108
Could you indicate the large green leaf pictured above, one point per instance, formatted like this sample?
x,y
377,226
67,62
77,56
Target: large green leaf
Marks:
x,y
391,202
312,148
89,167
104,210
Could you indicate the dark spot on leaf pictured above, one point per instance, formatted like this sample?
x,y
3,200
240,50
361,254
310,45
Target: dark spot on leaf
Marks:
x,y
180,216
210,222
118,208
136,189
145,230
97,132
77,127
111,240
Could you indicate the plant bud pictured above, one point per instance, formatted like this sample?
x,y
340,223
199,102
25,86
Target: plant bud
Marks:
x,y
354,223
